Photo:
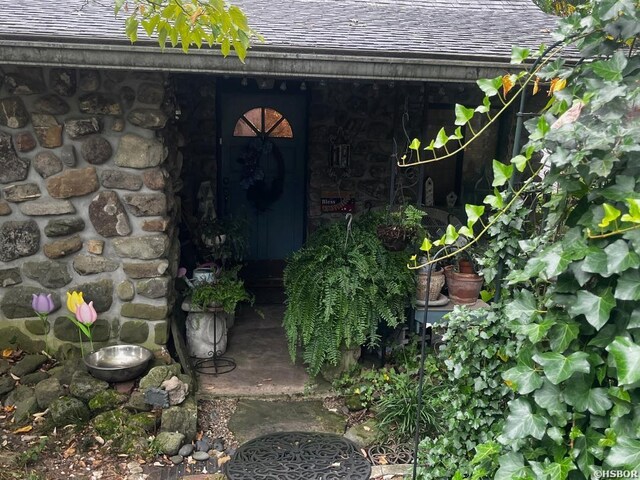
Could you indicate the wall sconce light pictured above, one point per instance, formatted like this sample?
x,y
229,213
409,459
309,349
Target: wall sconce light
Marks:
x,y
303,86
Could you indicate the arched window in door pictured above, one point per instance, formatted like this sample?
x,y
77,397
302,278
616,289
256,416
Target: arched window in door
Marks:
x,y
263,122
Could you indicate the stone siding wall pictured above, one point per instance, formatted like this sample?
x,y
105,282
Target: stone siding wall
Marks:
x,y
86,198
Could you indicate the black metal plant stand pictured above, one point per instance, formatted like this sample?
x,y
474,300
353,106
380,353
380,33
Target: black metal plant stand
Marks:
x,y
215,363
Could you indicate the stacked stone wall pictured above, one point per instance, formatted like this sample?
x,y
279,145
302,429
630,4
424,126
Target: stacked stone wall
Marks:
x,y
88,160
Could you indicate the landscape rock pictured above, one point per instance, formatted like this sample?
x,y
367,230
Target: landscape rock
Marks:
x,y
22,192
24,142
153,287
182,418
157,397
4,366
17,303
64,373
63,81
9,277
24,410
96,150
151,118
364,434
99,104
144,311
82,127
25,81
155,178
6,385
12,167
68,410
13,113
120,179
135,151
31,379
151,93
62,248
47,164
61,227
176,389
107,400
73,183
137,402
125,290
108,216
68,155
186,450
28,364
20,393
90,264
43,207
12,337
100,293
51,104
159,374
47,391
85,387
200,456
146,204
169,442
48,273
143,248
47,130
176,459
146,269
135,332
89,80
18,239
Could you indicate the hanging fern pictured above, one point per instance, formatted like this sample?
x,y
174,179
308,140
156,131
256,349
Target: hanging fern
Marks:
x,y
339,290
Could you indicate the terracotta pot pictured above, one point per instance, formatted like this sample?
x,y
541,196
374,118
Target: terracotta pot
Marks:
x,y
464,288
437,282
394,239
465,266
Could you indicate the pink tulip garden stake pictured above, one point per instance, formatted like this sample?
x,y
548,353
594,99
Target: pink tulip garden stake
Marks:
x,y
42,305
85,316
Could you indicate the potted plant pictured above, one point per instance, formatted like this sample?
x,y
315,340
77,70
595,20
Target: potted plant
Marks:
x,y
400,227
224,293
223,241
463,283
339,287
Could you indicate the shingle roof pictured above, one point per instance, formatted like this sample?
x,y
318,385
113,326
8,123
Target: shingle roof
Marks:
x,y
467,28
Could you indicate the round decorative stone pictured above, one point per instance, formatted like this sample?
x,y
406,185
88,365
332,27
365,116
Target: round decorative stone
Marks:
x,y
177,459
96,150
186,450
201,456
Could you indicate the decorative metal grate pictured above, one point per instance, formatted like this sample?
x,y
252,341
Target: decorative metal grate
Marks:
x,y
298,456
390,454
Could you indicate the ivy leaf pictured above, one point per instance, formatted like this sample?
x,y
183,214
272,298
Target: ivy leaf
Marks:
x,y
522,422
463,114
474,212
579,394
490,86
485,451
520,162
512,466
626,357
558,368
501,173
550,398
450,235
595,309
522,308
560,470
536,331
562,334
596,261
441,139
519,55
522,379
620,258
611,69
628,286
611,214
496,201
625,454
485,107
634,211
426,245
466,231
415,144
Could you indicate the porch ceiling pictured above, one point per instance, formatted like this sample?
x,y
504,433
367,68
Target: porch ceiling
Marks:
x,y
413,40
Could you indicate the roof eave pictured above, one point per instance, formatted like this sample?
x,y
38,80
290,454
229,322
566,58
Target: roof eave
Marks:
x,y
261,61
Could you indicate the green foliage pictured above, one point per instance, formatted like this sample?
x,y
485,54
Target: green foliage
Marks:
x,y
226,292
473,397
567,238
188,23
339,287
32,454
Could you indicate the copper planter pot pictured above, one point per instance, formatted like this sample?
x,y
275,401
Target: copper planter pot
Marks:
x,y
464,288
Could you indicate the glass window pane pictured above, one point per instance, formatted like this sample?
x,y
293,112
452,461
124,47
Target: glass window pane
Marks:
x,y
271,116
255,117
242,129
283,130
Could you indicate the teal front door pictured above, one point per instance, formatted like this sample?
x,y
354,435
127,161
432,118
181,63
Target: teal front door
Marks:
x,y
263,147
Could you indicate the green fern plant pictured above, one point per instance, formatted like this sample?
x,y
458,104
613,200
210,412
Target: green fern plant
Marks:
x,y
227,291
339,288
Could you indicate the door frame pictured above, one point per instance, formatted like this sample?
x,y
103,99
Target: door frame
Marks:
x,y
233,86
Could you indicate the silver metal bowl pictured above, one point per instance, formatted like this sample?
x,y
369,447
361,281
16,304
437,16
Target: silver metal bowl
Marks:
x,y
118,363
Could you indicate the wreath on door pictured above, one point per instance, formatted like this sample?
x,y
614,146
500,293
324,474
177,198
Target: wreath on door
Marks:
x,y
261,192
